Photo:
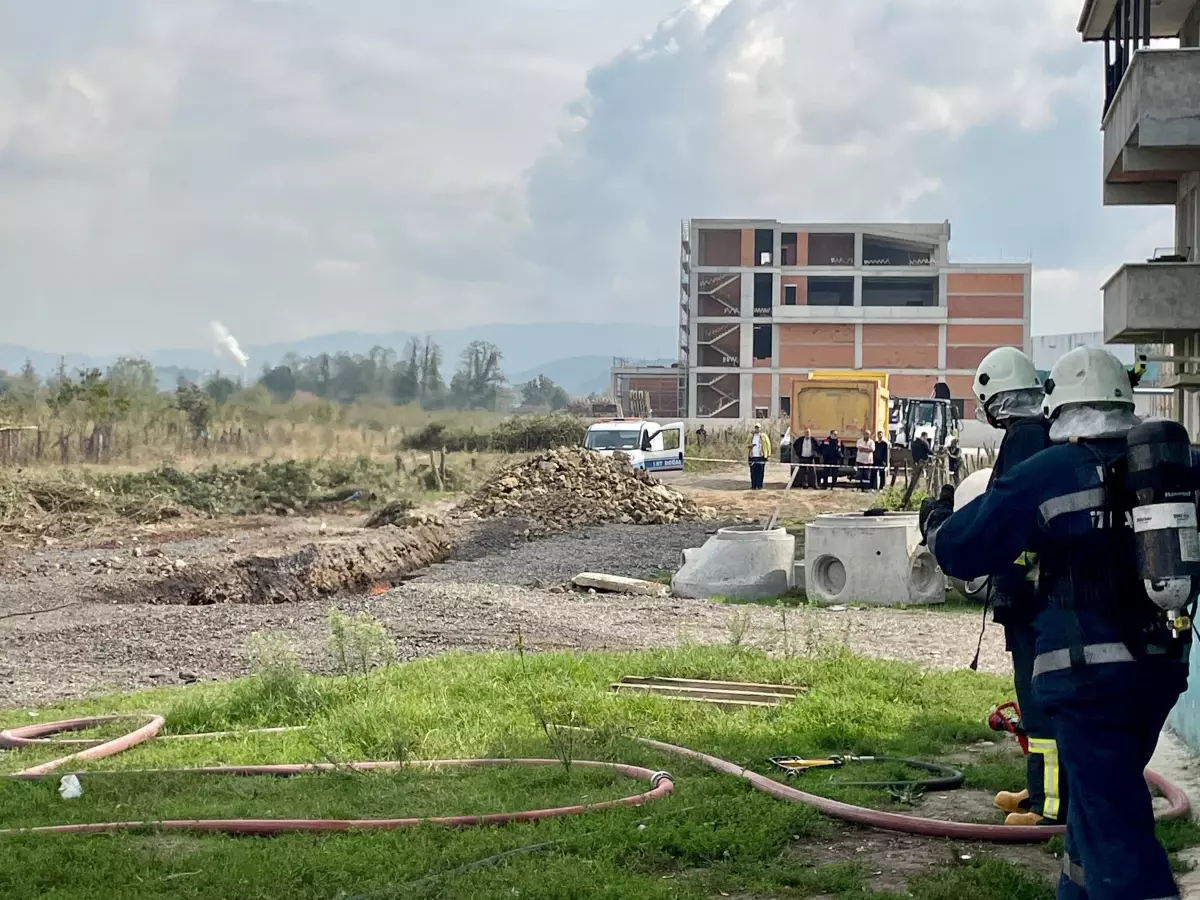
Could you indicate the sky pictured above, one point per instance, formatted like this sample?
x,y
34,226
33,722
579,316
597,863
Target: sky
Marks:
x,y
299,167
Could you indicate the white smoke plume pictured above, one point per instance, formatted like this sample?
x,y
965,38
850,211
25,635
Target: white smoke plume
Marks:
x,y
227,345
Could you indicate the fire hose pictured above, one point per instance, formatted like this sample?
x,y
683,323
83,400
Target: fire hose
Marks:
x,y
36,735
660,782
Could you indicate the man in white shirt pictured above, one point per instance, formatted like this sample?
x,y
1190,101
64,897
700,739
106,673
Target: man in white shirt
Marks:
x,y
805,452
864,459
758,448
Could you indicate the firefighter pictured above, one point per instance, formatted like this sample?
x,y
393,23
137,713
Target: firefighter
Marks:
x,y
1009,396
1111,654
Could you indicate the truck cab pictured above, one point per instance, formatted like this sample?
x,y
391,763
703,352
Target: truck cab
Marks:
x,y
649,446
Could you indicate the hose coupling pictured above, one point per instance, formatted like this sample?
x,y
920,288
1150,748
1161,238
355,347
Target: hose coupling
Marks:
x,y
659,777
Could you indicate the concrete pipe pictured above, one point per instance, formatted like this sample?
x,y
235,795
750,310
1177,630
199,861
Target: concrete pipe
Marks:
x,y
874,560
743,562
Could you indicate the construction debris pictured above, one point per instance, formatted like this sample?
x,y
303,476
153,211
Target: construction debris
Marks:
x,y
718,693
344,564
571,487
616,584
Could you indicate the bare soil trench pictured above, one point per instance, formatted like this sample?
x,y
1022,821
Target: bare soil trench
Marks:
x,y
119,634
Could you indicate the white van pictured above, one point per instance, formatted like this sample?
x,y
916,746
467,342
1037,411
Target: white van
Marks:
x,y
649,446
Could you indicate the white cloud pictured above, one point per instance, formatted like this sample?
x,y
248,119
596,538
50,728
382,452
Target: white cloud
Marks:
x,y
172,162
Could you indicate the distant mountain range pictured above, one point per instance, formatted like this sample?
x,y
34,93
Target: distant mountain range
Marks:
x,y
576,356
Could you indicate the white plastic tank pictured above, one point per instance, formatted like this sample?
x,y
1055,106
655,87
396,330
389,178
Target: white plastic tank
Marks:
x,y
971,487
870,560
742,562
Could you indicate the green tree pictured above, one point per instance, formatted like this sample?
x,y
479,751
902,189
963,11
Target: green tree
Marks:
x,y
479,380
542,392
220,389
190,399
280,382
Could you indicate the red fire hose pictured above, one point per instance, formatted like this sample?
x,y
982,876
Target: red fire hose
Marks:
x,y
660,782
1178,807
660,785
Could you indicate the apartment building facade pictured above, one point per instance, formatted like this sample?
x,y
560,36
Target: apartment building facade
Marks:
x,y
763,303
1151,126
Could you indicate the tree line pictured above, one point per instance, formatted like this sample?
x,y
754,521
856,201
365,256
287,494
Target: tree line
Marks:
x,y
415,377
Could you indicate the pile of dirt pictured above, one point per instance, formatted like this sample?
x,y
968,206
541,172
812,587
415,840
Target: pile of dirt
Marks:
x,y
347,563
571,487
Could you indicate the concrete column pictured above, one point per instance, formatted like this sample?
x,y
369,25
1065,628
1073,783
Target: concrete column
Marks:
x,y
693,406
746,396
774,394
746,354
747,293
858,287
858,250
858,345
777,248
941,346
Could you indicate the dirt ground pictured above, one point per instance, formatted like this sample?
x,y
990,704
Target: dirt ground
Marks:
x,y
494,583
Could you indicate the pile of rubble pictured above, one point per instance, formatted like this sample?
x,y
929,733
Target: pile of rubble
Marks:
x,y
571,487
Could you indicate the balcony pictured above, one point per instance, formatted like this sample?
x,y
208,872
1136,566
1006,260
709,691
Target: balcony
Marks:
x,y
1152,127
1154,302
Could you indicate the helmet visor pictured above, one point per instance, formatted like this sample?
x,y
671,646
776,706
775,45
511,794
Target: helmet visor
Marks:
x,y
1012,405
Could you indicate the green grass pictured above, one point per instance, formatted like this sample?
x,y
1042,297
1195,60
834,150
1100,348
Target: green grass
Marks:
x,y
714,834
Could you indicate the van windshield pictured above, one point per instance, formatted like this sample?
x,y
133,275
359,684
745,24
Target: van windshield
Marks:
x,y
611,440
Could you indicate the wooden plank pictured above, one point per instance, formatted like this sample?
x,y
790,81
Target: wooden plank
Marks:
x,y
711,701
790,690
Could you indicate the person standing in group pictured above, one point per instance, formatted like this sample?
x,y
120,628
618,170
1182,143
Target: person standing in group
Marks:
x,y
921,452
831,456
864,458
1113,613
758,449
954,459
880,462
805,452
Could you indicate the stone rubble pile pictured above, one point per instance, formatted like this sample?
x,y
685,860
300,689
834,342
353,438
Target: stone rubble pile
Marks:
x,y
571,487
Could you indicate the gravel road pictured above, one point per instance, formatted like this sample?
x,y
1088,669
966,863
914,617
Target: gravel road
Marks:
x,y
477,601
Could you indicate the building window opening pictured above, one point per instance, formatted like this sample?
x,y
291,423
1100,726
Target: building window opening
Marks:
x,y
763,338
879,251
763,289
785,406
790,292
761,412
764,246
900,292
830,291
831,249
719,247
789,249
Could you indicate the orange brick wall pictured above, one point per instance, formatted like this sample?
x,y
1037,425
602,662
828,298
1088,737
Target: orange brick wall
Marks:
x,y
985,306
663,390
747,246
911,385
984,283
801,283
816,346
762,390
900,346
982,295
984,335
802,248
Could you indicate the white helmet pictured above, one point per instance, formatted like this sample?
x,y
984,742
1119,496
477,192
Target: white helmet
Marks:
x,y
1089,376
1004,369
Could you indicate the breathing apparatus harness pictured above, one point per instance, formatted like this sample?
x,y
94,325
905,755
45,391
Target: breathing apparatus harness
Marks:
x,y
1150,498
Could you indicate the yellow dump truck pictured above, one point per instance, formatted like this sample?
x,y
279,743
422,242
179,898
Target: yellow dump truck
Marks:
x,y
849,403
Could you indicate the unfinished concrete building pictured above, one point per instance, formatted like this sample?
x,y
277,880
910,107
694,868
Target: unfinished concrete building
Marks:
x,y
1151,125
763,303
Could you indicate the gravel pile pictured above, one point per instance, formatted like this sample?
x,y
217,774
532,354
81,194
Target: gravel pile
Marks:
x,y
571,487
493,554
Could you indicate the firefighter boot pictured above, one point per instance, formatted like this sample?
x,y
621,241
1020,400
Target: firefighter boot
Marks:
x,y
1011,802
1027,818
